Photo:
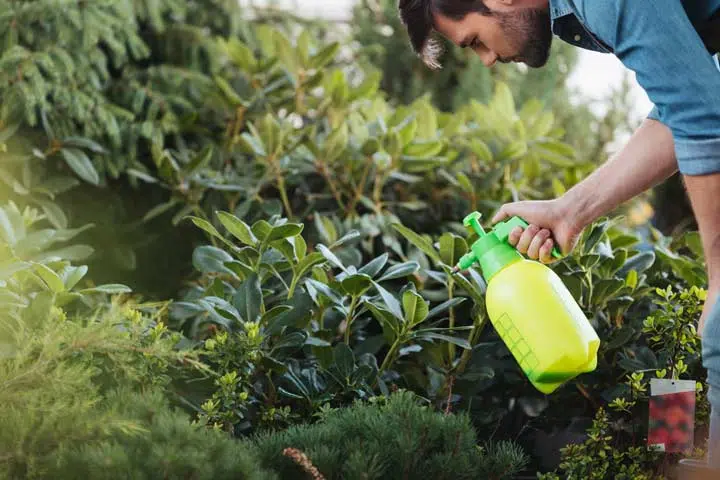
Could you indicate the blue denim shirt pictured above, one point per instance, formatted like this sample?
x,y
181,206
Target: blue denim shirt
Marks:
x,y
657,40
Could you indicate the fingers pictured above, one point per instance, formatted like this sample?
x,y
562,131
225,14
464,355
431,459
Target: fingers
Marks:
x,y
537,241
546,251
526,238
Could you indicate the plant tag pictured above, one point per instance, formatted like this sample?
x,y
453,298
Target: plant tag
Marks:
x,y
671,426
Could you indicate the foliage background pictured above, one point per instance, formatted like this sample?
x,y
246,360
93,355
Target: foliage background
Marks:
x,y
253,220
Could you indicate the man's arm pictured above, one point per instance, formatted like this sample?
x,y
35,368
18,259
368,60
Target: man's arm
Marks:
x,y
646,160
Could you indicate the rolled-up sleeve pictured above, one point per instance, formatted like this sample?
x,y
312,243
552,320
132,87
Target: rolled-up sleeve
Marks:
x,y
656,40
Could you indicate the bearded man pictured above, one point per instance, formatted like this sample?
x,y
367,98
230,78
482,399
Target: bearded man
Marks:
x,y
672,46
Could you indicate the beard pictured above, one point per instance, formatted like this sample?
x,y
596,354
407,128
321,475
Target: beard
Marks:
x,y
531,33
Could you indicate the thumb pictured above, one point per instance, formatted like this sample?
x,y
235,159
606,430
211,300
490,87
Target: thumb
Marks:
x,y
507,210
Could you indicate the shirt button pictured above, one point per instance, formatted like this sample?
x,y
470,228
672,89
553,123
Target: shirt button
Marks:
x,y
577,38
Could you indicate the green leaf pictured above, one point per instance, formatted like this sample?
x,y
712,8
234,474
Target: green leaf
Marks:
x,y
631,280
324,56
639,263
199,161
54,213
248,299
308,262
357,284
237,228
400,270
389,323
348,237
284,231
503,101
51,279
79,162
330,256
481,150
228,92
431,335
470,288
415,307
390,301
324,289
453,302
326,228
419,241
452,247
72,275
336,143
373,267
74,253
158,210
423,149
344,359
596,233
81,142
110,288
209,259
620,337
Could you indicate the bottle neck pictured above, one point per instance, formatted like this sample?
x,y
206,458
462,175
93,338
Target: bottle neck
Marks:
x,y
496,259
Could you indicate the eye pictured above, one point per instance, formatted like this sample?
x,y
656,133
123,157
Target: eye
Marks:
x,y
475,43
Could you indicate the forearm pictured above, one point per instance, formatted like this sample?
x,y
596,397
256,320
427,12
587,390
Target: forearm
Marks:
x,y
646,160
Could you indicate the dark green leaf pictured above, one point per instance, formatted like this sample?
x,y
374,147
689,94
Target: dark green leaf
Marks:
x,y
79,162
419,241
639,263
430,335
209,259
356,285
620,337
453,302
400,270
390,301
344,359
249,299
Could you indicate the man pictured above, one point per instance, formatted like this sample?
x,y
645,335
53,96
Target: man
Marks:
x,y
672,47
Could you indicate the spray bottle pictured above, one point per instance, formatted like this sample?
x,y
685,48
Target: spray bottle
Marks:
x,y
531,309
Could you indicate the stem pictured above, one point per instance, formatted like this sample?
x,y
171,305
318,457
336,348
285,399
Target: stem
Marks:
x,y
387,361
353,304
333,188
473,338
283,194
451,320
293,284
359,189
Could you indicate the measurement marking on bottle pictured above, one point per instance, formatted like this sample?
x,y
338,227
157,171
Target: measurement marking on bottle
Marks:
x,y
517,344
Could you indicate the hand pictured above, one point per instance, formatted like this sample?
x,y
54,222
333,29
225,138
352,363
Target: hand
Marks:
x,y
549,222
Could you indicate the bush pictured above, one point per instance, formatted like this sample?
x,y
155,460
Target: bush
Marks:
x,y
393,438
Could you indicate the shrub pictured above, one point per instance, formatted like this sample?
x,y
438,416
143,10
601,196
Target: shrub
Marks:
x,y
392,438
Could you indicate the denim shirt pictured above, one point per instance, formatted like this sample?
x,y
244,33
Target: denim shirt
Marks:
x,y
657,39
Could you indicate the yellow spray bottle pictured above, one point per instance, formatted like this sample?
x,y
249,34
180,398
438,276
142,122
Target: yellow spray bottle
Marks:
x,y
531,309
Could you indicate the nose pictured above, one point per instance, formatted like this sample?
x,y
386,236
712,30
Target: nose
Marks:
x,y
489,58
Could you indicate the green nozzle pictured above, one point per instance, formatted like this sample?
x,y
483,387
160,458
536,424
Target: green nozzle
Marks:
x,y
492,250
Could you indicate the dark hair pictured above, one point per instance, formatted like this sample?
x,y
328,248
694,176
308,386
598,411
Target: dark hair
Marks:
x,y
417,16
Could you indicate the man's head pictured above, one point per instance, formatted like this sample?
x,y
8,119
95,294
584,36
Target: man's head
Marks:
x,y
497,30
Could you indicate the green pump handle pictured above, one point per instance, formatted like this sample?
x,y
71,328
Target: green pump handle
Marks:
x,y
501,231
